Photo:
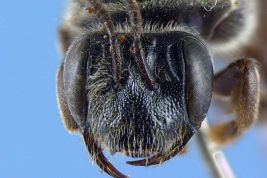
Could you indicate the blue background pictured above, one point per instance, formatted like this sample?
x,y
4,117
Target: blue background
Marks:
x,y
33,141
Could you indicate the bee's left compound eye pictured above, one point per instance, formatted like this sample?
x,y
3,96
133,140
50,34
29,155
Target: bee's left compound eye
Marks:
x,y
199,79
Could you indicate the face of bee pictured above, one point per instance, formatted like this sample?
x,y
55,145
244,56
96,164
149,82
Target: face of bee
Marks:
x,y
138,76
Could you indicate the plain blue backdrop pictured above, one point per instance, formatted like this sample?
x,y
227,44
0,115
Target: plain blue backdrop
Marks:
x,y
33,141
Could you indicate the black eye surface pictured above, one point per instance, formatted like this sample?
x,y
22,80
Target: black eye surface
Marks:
x,y
75,70
199,79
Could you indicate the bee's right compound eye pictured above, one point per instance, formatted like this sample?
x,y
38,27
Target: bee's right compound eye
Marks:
x,y
199,79
75,70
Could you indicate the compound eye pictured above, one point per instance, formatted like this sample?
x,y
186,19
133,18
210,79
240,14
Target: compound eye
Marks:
x,y
199,79
75,79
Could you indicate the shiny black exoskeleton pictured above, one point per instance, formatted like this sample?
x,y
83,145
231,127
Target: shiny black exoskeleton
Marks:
x,y
135,119
137,77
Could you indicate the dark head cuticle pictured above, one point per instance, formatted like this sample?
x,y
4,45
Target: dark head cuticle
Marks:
x,y
142,87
